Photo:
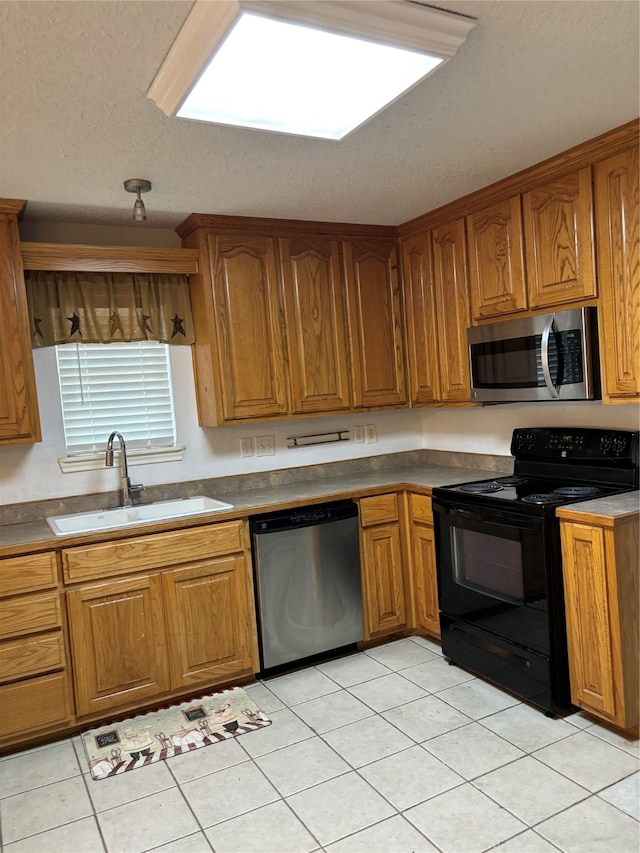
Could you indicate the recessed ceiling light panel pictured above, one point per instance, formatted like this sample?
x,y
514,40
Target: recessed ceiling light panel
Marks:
x,y
315,69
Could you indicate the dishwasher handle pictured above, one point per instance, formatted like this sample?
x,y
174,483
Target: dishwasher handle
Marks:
x,y
307,516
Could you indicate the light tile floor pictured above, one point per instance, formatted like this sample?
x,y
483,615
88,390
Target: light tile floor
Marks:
x,y
385,751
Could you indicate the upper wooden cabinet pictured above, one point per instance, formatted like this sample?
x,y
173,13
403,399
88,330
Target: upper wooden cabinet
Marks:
x,y
316,324
294,319
375,323
436,281
617,231
496,263
559,250
422,325
452,310
19,419
238,317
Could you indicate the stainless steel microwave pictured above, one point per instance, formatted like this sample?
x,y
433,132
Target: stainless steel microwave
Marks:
x,y
548,357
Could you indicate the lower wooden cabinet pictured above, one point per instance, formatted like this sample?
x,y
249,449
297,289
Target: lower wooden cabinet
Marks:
x,y
424,581
187,619
600,566
118,643
35,690
381,556
209,624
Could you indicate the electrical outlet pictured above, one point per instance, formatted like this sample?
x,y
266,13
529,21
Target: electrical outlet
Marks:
x,y
358,434
265,445
246,447
370,432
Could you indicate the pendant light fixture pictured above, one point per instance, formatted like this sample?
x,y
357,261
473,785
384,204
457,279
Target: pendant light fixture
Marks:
x,y
138,185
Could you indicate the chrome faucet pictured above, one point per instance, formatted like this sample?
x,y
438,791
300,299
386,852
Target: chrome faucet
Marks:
x,y
127,486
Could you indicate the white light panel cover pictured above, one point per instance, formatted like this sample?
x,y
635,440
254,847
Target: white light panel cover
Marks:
x,y
289,78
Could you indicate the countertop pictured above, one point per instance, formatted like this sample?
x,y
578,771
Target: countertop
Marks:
x,y
37,536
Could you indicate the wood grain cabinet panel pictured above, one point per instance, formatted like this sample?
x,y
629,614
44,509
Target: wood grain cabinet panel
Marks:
x,y
383,573
19,418
209,622
617,227
559,247
35,706
422,325
28,656
248,312
30,573
118,643
28,614
496,263
376,335
424,581
600,569
453,310
316,324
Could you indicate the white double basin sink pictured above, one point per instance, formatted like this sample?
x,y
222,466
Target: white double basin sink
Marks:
x,y
112,519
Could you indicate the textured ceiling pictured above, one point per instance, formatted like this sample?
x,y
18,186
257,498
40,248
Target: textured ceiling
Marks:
x,y
533,78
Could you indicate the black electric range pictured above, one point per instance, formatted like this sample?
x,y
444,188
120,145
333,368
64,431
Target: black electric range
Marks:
x,y
499,559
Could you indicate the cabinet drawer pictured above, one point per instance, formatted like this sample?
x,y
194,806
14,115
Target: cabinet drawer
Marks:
x,y
379,509
152,552
421,508
34,705
31,656
29,613
28,574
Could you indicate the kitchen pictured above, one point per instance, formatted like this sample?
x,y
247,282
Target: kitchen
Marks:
x,y
33,473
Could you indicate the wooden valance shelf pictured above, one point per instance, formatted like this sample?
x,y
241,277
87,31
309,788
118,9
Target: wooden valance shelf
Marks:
x,y
68,256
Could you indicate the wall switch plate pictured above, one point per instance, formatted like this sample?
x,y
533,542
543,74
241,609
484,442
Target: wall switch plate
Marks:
x,y
358,434
246,447
370,432
265,445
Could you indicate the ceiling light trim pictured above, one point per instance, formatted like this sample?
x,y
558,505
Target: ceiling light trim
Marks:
x,y
397,22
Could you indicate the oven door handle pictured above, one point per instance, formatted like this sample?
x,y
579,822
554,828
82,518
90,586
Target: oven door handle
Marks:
x,y
493,518
544,355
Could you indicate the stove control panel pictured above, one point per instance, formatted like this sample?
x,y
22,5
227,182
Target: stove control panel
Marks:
x,y
552,443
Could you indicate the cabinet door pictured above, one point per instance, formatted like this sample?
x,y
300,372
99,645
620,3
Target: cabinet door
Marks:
x,y
384,604
249,325
118,644
452,295
559,241
617,226
420,306
375,323
589,627
210,622
316,324
423,565
19,420
496,264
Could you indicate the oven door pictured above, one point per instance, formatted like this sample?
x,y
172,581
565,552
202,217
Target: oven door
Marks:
x,y
492,572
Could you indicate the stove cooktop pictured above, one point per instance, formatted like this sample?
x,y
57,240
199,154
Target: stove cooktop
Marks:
x,y
531,492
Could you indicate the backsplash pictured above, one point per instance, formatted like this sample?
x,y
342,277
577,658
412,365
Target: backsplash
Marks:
x,y
35,510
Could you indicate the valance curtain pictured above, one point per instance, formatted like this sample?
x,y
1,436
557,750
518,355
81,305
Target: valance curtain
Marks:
x,y
97,307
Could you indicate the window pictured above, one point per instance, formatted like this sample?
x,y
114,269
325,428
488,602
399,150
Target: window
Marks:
x,y
123,387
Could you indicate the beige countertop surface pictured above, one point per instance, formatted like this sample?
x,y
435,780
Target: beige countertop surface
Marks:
x,y
37,536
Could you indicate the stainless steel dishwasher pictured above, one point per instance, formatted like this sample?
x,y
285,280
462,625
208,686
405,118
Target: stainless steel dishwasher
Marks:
x,y
307,570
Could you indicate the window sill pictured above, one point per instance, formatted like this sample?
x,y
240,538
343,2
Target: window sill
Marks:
x,y
95,461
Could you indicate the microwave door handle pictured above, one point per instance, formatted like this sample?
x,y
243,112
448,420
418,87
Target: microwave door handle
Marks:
x,y
544,355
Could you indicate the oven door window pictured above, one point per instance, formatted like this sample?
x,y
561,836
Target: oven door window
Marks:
x,y
493,573
489,564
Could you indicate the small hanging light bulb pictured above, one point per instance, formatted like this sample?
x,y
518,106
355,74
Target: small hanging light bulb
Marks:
x,y
139,212
138,185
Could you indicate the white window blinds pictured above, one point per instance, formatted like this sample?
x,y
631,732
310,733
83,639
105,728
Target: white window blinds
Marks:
x,y
123,387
